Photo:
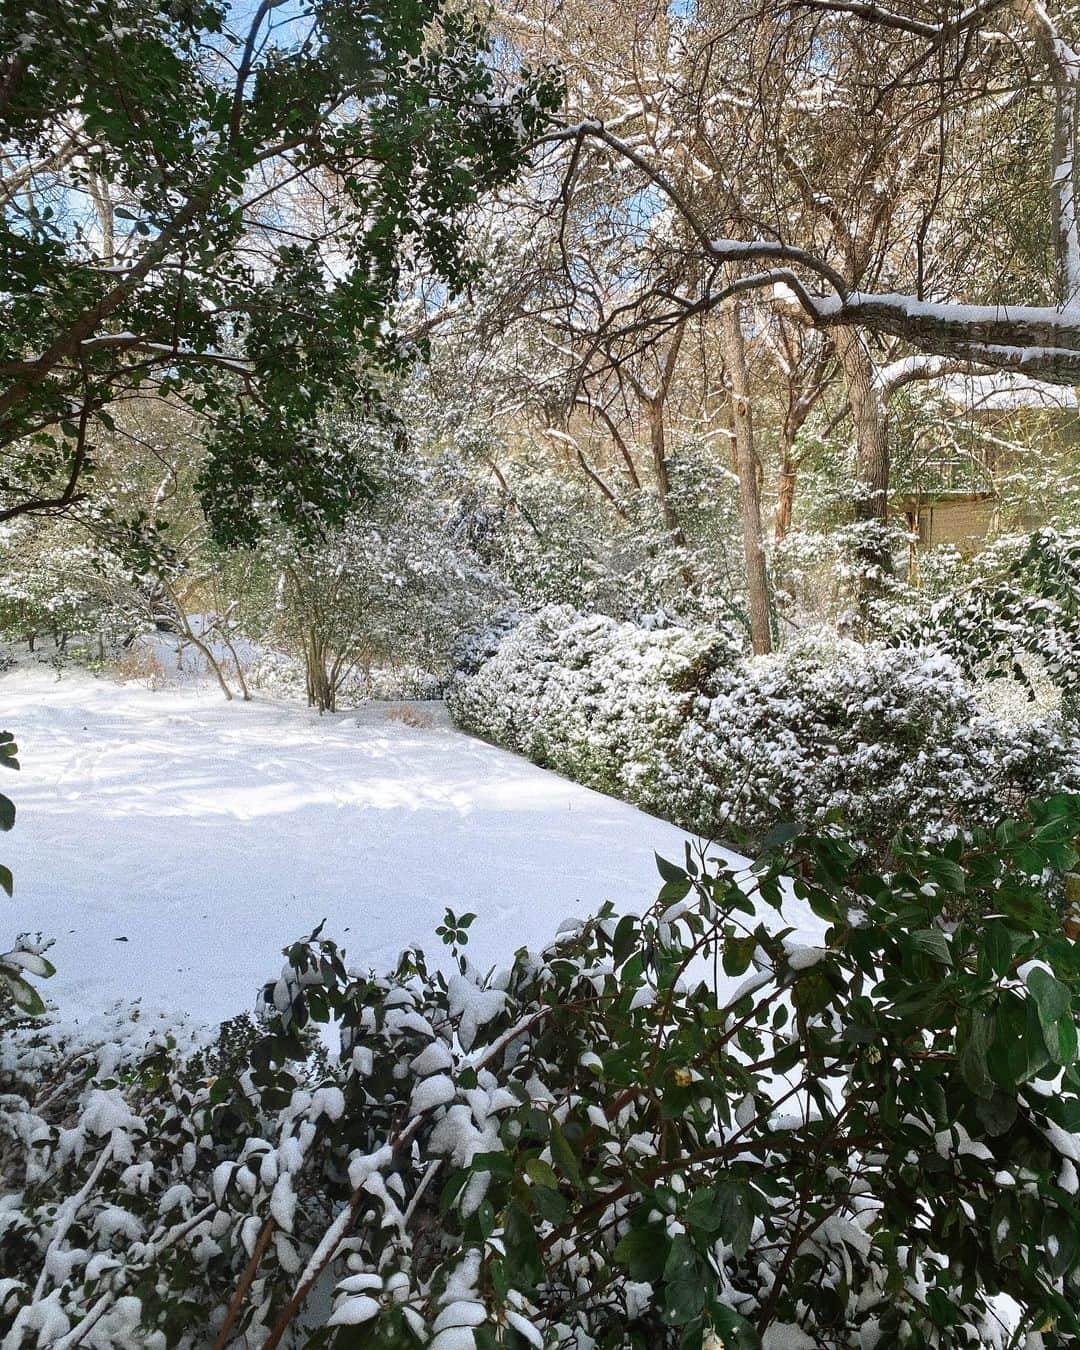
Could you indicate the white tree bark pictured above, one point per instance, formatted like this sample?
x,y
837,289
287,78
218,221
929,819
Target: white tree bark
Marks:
x,y
1063,64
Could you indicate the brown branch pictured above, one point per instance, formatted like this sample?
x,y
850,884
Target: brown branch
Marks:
x,y
244,1284
47,505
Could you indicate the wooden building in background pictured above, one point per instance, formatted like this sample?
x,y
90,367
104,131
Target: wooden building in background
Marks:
x,y
962,519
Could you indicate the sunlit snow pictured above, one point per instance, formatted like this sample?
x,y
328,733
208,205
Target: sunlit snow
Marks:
x,y
172,843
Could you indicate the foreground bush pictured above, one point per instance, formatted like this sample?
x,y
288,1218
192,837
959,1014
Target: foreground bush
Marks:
x,y
675,721
684,1130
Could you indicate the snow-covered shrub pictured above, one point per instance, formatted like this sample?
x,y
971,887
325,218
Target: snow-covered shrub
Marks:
x,y
474,646
881,737
56,581
284,676
850,576
669,1132
387,590
1018,616
556,541
591,697
884,738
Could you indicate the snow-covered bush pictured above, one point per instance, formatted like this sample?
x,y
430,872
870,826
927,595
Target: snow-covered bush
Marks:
x,y
1016,616
591,697
850,576
284,676
475,646
678,1131
881,737
884,738
56,581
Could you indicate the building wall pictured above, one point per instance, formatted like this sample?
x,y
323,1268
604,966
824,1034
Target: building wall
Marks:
x,y
964,523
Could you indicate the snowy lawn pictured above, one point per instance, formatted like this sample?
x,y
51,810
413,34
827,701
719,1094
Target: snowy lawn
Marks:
x,y
172,843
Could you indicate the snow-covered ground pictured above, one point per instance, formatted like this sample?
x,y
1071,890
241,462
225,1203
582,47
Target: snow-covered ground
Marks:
x,y
172,843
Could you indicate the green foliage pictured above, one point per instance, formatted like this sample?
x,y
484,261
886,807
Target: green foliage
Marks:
x,y
164,246
659,1132
25,958
8,758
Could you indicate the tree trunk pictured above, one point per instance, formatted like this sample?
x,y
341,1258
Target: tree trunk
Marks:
x,y
868,412
757,581
1063,63
320,690
658,446
785,494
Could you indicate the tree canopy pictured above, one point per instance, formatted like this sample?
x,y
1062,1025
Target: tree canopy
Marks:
x,y
225,214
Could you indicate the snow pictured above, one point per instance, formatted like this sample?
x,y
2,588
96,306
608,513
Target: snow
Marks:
x,y
460,1314
432,1092
801,957
454,1338
786,1336
173,843
354,1311
283,1202
1008,391
432,1059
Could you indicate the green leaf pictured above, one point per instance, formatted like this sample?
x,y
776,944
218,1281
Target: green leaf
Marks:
x,y
550,1205
668,870
673,891
1061,1039
26,997
541,1174
1050,994
997,1112
684,1285
738,953
999,946
626,937
934,943
779,835
643,1251
948,874
523,1261
975,1047
942,1308
499,1164
822,904
1059,1241
563,1155
1018,1051
812,993
725,1209
734,1330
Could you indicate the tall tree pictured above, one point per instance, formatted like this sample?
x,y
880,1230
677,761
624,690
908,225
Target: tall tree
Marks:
x,y
842,140
155,157
746,463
